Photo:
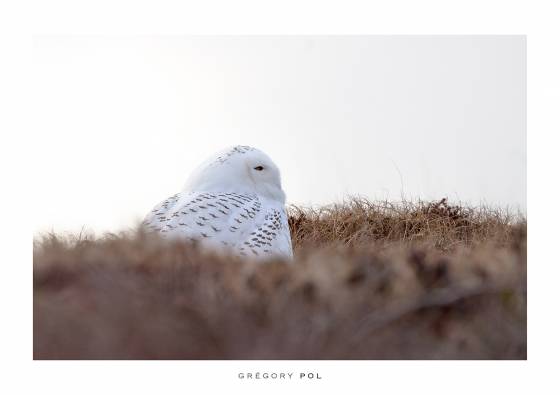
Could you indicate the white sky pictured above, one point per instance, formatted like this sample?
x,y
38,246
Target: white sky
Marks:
x,y
122,121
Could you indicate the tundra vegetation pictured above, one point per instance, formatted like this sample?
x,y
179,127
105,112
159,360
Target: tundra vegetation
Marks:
x,y
370,280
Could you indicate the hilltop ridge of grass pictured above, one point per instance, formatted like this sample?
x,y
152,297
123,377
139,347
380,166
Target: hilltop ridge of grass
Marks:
x,y
370,280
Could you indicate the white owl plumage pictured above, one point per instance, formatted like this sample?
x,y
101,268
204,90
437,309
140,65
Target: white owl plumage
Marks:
x,y
233,201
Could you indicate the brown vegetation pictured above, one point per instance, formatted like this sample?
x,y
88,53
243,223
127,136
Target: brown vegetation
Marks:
x,y
369,281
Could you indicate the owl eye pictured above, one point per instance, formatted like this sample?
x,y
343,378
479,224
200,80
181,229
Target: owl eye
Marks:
x,y
259,168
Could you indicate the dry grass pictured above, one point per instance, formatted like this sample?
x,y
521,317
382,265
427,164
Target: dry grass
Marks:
x,y
370,281
359,222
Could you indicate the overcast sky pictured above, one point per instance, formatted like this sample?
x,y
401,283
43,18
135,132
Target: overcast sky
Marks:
x,y
122,121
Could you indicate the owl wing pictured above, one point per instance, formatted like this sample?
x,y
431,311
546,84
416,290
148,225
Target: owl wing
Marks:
x,y
270,236
154,221
224,218
250,225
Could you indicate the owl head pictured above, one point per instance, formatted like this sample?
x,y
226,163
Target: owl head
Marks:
x,y
239,169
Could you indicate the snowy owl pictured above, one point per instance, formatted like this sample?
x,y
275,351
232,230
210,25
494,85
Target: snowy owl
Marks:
x,y
232,201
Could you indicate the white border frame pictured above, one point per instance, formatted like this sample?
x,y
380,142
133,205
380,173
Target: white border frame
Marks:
x,y
537,19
